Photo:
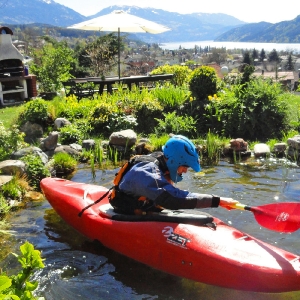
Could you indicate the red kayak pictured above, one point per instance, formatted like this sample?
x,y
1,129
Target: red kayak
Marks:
x,y
194,246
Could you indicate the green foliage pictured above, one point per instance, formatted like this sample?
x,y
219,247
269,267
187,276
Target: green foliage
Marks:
x,y
292,118
70,108
70,134
211,149
19,287
64,163
254,112
247,58
184,125
13,190
273,56
120,121
99,118
290,65
11,140
35,111
170,96
158,141
180,73
203,82
35,170
146,113
52,65
4,207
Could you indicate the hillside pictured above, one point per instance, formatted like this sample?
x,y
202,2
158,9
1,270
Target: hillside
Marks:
x,y
263,32
38,11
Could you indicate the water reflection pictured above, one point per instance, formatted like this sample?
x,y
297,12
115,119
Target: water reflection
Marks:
x,y
77,268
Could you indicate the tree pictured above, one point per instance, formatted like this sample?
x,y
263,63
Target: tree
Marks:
x,y
254,54
290,64
247,59
52,64
273,56
247,72
262,55
102,54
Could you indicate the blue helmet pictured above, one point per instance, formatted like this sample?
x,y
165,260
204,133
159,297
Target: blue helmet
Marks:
x,y
180,151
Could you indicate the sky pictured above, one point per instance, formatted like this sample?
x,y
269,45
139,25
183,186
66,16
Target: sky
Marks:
x,y
251,11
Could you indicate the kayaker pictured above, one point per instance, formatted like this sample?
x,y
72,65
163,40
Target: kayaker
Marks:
x,y
149,184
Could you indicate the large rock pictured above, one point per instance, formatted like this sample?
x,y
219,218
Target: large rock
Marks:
x,y
261,149
280,149
125,138
61,122
5,178
12,167
50,142
294,142
67,149
31,150
88,144
32,131
238,145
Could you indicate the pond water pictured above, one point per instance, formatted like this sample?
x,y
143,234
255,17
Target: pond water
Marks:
x,y
76,268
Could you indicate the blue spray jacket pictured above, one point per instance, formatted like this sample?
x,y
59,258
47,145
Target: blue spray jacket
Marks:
x,y
147,179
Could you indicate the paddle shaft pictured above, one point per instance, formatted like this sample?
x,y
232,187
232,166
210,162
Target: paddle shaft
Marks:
x,y
241,206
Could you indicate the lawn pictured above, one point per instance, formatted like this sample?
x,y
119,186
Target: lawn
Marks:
x,y
8,115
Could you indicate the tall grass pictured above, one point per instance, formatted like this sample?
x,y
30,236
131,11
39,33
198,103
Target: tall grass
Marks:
x,y
158,141
211,149
170,95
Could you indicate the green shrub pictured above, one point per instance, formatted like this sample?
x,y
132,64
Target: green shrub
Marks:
x,y
11,140
64,163
118,121
172,123
146,113
35,170
70,134
35,111
180,73
73,110
203,82
99,118
254,112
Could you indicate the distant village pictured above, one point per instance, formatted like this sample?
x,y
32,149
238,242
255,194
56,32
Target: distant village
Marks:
x,y
142,59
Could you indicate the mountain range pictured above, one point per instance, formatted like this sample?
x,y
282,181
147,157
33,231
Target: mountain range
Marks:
x,y
184,27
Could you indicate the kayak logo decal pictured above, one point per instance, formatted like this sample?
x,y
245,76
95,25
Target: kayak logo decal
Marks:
x,y
282,217
174,238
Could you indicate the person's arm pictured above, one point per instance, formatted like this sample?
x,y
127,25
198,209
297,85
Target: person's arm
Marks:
x,y
170,200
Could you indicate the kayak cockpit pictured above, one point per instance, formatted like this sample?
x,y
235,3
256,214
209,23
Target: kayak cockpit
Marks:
x,y
177,216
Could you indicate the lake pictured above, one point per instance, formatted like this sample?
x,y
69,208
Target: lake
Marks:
x,y
234,45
